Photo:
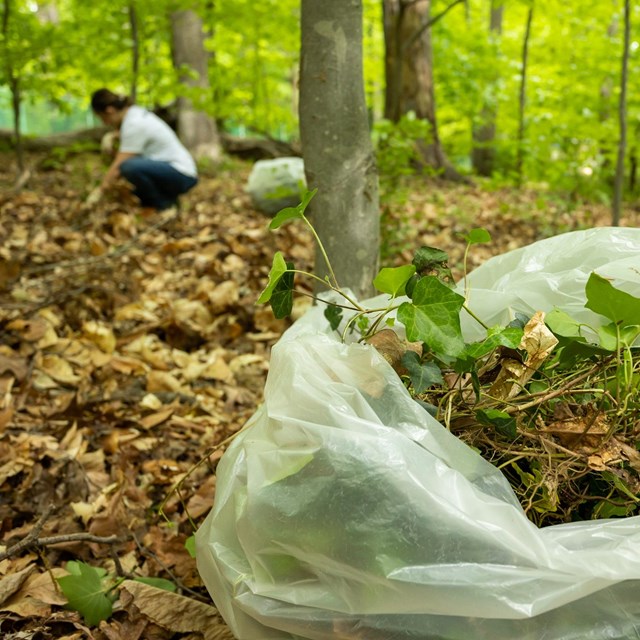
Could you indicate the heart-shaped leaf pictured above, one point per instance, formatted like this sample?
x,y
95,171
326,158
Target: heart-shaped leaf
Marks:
x,y
393,280
478,236
618,306
292,213
509,337
434,317
282,296
278,269
86,593
423,375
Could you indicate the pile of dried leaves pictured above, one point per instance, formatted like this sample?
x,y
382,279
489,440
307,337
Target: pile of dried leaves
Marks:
x,y
131,349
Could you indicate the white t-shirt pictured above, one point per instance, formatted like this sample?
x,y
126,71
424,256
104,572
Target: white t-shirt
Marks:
x,y
145,134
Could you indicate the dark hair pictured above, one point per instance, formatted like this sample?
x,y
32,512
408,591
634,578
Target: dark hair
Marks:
x,y
103,98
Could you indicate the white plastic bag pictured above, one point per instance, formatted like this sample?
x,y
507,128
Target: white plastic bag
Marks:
x,y
345,511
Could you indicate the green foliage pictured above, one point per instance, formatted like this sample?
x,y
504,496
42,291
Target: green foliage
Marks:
x,y
90,590
85,590
394,280
433,317
507,385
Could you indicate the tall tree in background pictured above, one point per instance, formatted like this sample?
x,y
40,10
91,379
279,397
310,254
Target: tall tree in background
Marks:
x,y
12,77
409,72
622,112
522,99
196,128
484,133
135,50
336,143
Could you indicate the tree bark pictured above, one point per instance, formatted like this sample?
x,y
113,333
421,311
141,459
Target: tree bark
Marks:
x,y
622,113
483,154
336,143
196,129
135,51
14,87
409,73
523,97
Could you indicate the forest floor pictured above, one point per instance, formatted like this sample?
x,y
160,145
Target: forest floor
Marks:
x,y
131,349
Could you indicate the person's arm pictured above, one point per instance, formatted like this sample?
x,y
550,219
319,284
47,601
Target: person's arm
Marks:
x,y
114,170
110,176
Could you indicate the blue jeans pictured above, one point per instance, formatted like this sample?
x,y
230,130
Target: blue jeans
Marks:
x,y
157,184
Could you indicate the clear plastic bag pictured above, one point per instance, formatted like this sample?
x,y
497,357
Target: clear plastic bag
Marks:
x,y
344,510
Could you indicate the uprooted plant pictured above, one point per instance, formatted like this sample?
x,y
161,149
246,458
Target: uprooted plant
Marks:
x,y
551,401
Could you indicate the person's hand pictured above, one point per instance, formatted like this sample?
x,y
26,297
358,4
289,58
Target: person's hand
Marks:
x,y
94,197
109,143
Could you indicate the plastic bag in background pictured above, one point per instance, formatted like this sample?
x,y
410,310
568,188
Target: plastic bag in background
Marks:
x,y
345,511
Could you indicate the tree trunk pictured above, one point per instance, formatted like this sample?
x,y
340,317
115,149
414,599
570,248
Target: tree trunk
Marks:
x,y
409,73
619,182
14,87
483,154
336,143
523,97
135,51
197,130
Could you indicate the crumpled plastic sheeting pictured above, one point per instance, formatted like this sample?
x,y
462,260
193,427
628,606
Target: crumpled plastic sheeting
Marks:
x,y
552,273
344,510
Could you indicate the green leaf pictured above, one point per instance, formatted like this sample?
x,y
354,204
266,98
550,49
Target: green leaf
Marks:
x,y
426,258
423,375
613,337
292,213
618,306
509,337
282,297
392,280
86,593
278,269
501,421
620,485
478,236
190,546
160,583
363,324
411,284
604,510
334,315
562,324
434,317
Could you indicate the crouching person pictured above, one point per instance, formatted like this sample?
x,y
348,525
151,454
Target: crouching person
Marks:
x,y
150,155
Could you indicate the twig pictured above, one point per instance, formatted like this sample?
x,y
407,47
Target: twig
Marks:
x,y
149,554
34,541
554,394
31,536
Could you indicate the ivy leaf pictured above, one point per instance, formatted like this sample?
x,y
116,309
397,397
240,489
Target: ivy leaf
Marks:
x,y
562,324
190,546
618,306
85,591
509,337
334,315
612,337
501,421
393,280
278,269
434,317
478,236
423,375
282,296
159,583
426,258
292,213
